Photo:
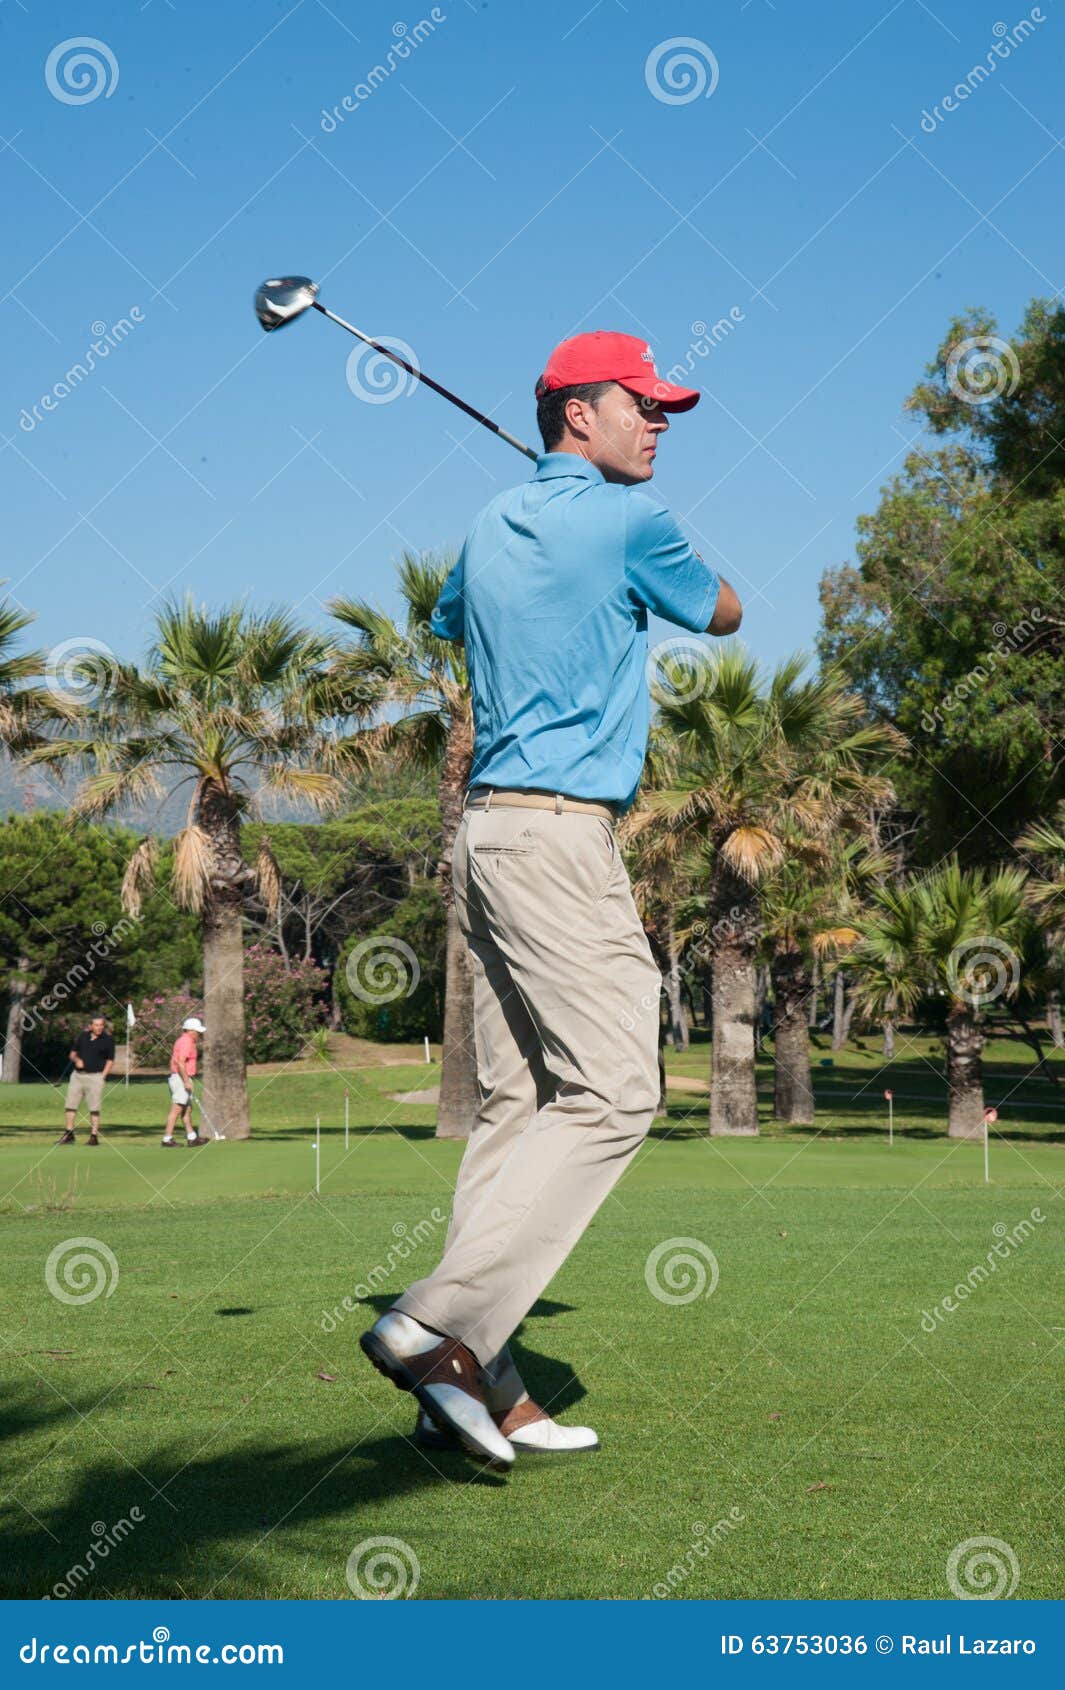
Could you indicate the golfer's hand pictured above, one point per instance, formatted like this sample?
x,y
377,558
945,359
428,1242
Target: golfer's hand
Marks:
x,y
78,1063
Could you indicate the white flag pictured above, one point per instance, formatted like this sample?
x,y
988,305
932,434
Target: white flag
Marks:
x,y
131,1019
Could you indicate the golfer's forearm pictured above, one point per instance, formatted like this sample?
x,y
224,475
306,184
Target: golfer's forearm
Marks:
x,y
728,612
107,1069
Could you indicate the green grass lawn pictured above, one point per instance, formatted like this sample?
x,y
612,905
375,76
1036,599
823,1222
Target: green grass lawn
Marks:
x,y
844,1448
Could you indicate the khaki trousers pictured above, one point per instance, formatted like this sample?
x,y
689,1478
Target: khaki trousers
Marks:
x,y
566,1012
85,1088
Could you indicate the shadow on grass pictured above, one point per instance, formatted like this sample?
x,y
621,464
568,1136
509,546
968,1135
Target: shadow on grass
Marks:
x,y
21,1413
205,1524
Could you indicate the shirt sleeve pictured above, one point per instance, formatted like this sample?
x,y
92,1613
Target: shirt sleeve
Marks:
x,y
448,621
663,572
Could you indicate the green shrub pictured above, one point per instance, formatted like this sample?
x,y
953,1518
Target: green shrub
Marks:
x,y
389,983
282,1006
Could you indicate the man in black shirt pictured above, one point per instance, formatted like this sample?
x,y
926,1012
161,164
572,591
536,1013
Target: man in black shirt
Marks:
x,y
93,1056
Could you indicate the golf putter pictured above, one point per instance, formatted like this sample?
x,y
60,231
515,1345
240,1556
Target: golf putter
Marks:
x,y
204,1117
285,298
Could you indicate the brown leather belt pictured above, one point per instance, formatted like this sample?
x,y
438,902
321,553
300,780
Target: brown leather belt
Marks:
x,y
486,797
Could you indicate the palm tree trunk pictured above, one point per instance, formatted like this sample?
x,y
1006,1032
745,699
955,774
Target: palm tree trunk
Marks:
x,y
677,1014
1054,1020
848,1016
811,1013
837,1011
965,1076
225,1083
889,1041
459,1092
733,1099
793,1096
18,987
460,1095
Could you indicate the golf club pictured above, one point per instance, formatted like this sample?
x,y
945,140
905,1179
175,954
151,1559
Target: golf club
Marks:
x,y
279,301
205,1119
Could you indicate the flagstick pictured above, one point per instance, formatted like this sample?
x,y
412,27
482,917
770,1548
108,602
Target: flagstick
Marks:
x,y
990,1117
891,1121
317,1154
346,1117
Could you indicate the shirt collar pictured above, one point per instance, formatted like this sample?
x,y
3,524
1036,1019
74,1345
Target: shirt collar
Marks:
x,y
551,465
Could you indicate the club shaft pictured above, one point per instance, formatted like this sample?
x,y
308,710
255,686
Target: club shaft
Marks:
x,y
420,375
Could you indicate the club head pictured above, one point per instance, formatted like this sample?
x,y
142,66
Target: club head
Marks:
x,y
278,301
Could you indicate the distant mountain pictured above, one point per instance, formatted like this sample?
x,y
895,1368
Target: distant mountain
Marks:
x,y
25,790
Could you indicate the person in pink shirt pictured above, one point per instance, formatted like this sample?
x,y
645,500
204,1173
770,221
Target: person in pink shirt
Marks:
x,y
182,1073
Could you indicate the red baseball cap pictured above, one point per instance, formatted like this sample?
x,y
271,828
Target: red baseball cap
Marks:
x,y
604,356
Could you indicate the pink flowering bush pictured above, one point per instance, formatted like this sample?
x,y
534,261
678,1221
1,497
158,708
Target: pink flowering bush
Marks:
x,y
159,1018
282,1007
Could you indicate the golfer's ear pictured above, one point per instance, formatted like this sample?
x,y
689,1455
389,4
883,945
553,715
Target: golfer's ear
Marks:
x,y
577,416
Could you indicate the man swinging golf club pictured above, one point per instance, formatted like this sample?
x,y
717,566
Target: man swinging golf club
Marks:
x,y
550,595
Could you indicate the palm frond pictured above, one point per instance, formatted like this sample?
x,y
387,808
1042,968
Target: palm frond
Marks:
x,y
268,876
139,876
192,867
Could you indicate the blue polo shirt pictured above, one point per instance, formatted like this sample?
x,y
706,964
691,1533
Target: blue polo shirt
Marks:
x,y
550,595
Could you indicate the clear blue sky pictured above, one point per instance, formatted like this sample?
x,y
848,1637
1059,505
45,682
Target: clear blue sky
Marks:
x,y
512,181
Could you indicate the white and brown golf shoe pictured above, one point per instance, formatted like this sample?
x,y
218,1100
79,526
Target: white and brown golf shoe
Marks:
x,y
446,1379
527,1427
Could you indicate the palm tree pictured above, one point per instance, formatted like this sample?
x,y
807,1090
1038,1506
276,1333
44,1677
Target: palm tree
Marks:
x,y
750,768
791,906
808,909
425,677
238,705
20,703
1046,842
19,709
957,932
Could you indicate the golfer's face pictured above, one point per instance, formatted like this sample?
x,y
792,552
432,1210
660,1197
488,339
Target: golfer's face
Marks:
x,y
96,1028
629,428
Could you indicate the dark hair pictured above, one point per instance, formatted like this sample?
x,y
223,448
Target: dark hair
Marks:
x,y
551,407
